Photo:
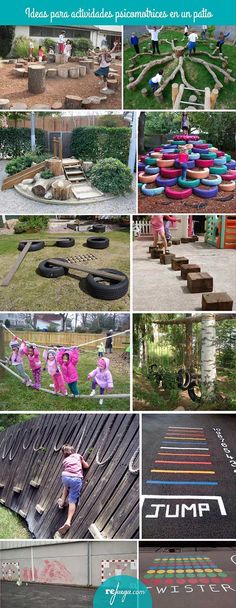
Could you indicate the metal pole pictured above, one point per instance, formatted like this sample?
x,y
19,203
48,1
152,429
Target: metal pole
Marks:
x,y
132,148
33,141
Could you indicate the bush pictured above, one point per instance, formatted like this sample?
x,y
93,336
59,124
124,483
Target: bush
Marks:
x,y
31,223
22,162
20,47
49,43
110,175
6,39
47,174
15,142
93,143
81,45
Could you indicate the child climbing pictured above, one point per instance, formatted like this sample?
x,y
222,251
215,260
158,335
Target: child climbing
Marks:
x,y
33,355
68,360
183,160
101,377
155,81
158,230
220,41
134,41
68,50
104,60
16,360
101,349
192,39
54,371
168,221
72,479
154,38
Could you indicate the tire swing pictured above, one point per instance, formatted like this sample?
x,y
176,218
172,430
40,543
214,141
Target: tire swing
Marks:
x,y
183,379
195,392
154,373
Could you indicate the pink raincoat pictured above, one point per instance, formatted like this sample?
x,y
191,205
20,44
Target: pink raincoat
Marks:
x,y
68,368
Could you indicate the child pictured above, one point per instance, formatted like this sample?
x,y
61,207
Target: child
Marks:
x,y
154,38
61,43
134,41
16,359
72,479
169,219
40,54
54,371
33,355
155,81
104,60
101,377
221,40
31,50
158,229
204,32
186,29
185,123
101,350
183,160
68,360
68,49
192,39
109,342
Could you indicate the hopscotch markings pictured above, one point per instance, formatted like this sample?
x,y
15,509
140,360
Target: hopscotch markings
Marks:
x,y
182,483
167,447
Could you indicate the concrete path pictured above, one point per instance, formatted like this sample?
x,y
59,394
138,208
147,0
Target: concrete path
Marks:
x,y
12,202
39,596
159,288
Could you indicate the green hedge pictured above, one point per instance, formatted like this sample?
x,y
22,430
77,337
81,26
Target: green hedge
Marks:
x,y
95,143
31,223
14,142
19,163
110,175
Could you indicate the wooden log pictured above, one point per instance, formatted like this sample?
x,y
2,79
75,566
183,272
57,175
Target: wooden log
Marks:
x,y
217,301
42,186
207,98
74,72
61,190
57,105
213,98
13,180
156,253
51,73
178,98
166,82
20,72
82,70
73,102
60,58
166,258
36,78
5,282
55,165
174,91
62,71
199,282
146,69
94,272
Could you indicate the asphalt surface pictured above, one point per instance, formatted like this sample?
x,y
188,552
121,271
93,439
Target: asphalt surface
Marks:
x,y
196,579
40,596
189,472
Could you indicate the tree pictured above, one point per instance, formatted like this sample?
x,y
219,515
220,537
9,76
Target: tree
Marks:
x,y
141,129
208,355
143,331
220,127
6,38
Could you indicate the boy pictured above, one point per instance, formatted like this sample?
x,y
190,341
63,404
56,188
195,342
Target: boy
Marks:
x,y
154,38
155,81
134,41
192,39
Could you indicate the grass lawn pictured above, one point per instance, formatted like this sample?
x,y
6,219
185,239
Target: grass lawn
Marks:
x,y
196,74
11,525
16,396
29,291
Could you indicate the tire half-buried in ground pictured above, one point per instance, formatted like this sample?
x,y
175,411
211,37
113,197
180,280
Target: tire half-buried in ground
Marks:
x,y
35,246
98,242
48,270
66,242
107,289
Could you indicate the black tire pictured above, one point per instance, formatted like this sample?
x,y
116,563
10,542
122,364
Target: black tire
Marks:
x,y
36,245
97,242
99,228
183,379
46,269
66,242
194,392
107,289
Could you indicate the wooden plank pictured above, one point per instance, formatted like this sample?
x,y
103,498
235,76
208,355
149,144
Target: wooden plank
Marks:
x,y
13,180
96,273
7,279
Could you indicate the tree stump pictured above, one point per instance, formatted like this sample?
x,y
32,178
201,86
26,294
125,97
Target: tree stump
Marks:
x,y
144,92
36,78
82,70
19,106
57,105
20,72
61,190
131,79
193,98
42,186
51,73
54,165
59,59
4,104
179,51
62,71
174,91
74,72
73,102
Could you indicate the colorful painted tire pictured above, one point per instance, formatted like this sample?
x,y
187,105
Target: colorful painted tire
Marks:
x,y
190,164
208,156
146,179
197,174
220,153
198,151
227,186
170,172
156,155
143,157
228,158
214,181
218,170
150,161
203,193
194,156
188,183
172,181
152,191
213,149
203,146
166,163
178,194
204,163
141,166
231,164
140,184
151,170
169,156
158,149
229,176
181,142
220,161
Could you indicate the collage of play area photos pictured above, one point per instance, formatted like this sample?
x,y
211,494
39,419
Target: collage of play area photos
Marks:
x,y
117,315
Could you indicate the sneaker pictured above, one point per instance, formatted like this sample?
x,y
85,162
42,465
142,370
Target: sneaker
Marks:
x,y
93,393
105,89
100,401
76,396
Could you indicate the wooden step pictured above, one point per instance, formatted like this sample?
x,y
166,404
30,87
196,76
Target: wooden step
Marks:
x,y
76,179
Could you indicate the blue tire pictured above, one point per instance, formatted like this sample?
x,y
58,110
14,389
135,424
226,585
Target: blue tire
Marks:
x,y
141,166
151,170
194,156
151,191
190,164
220,161
211,193
231,164
171,181
212,182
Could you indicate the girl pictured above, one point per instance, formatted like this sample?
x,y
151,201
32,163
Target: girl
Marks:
x,y
54,371
33,355
101,377
101,350
16,359
67,50
183,160
72,479
31,51
158,229
104,60
68,360
40,54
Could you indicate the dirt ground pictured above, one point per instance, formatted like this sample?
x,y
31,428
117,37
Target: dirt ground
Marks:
x,y
225,202
16,89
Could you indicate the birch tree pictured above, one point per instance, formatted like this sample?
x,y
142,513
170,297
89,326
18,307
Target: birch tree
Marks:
x,y
208,355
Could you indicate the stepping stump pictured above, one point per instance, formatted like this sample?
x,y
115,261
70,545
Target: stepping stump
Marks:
x,y
39,509
156,253
217,301
166,258
73,102
175,241
176,263
82,70
186,268
4,104
36,78
19,106
197,282
40,106
52,73
187,239
62,71
74,72
57,106
20,72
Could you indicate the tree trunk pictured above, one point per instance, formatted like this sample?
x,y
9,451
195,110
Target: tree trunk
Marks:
x,y
141,125
42,186
54,165
36,78
189,345
208,355
61,190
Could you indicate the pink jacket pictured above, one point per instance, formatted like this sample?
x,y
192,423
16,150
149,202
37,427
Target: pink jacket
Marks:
x,y
51,366
34,360
103,377
17,357
68,368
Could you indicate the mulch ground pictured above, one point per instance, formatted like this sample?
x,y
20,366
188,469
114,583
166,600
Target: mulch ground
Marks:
x,y
16,89
225,202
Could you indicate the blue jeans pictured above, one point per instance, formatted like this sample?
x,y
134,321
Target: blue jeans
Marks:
x,y
184,167
74,487
94,386
154,85
73,386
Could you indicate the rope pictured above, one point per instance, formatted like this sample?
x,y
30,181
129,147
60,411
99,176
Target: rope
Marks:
x,y
120,333
46,390
132,469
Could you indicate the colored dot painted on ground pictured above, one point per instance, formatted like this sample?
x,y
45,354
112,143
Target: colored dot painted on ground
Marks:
x,y
161,571
210,574
170,571
148,576
222,574
218,570
208,569
189,570
198,570
150,571
169,581
159,575
182,581
201,574
180,570
205,581
193,581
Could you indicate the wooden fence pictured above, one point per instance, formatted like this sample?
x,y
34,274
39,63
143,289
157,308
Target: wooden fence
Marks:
x,y
68,339
31,466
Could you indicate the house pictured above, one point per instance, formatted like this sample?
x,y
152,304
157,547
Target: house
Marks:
x,y
37,33
47,322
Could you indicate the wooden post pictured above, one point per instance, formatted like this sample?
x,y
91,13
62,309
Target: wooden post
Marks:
x,y
16,265
207,99
178,97
60,148
175,90
2,349
214,95
54,145
36,78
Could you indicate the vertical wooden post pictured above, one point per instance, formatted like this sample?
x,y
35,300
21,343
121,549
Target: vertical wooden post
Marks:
x,y
2,349
214,95
174,93
54,143
60,147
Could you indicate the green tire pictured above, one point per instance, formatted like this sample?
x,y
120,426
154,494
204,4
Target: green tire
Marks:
x,y
228,157
208,156
218,170
188,183
150,161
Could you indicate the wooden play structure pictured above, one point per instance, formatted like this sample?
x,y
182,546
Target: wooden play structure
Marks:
x,y
221,231
209,103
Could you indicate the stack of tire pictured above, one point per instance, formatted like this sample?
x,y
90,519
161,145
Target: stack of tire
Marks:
x,y
209,170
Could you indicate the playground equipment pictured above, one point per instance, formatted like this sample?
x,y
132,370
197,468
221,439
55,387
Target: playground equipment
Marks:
x,y
221,231
209,170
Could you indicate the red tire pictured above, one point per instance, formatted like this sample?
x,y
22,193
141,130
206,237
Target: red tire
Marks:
x,y
227,186
204,163
203,146
178,194
165,163
219,153
170,172
169,156
230,175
